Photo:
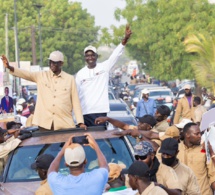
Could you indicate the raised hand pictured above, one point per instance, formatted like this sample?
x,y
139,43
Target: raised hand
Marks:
x,y
5,61
128,31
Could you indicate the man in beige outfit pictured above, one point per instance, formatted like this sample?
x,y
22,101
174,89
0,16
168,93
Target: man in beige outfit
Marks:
x,y
57,95
199,111
185,107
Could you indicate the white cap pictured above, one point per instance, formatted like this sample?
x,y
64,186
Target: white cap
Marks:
x,y
183,123
135,99
145,91
19,108
187,86
90,48
74,155
20,101
17,119
56,56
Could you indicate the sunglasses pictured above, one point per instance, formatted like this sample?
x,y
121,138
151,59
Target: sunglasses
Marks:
x,y
137,157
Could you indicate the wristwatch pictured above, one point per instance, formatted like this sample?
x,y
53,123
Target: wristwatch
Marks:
x,y
140,136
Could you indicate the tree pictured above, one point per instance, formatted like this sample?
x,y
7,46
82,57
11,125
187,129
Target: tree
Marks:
x,y
204,62
65,27
159,29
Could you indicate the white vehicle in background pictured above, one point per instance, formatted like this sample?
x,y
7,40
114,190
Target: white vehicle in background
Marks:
x,y
131,67
161,95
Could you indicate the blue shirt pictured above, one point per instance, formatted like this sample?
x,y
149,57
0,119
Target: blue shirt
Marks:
x,y
149,108
89,183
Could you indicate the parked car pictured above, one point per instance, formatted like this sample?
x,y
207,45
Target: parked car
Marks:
x,y
19,178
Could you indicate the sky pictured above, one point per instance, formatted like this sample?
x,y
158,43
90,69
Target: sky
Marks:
x,y
103,10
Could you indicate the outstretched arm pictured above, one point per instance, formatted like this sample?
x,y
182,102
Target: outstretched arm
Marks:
x,y
56,162
114,122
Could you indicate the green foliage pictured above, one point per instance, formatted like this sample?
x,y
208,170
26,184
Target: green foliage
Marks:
x,y
159,29
65,27
204,62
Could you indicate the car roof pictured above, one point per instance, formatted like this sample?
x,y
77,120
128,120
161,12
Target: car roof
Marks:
x,y
49,137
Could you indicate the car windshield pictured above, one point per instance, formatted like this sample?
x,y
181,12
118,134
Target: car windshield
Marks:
x,y
160,93
114,149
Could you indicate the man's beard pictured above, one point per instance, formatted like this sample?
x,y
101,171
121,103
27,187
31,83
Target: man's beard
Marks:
x,y
188,94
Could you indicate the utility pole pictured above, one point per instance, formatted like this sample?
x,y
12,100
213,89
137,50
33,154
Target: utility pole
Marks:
x,y
6,36
6,75
34,59
39,6
18,81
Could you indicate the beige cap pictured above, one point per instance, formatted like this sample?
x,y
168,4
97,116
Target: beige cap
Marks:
x,y
115,170
171,132
187,86
56,56
90,48
74,155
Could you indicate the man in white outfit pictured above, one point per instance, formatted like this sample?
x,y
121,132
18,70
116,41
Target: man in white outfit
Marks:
x,y
92,81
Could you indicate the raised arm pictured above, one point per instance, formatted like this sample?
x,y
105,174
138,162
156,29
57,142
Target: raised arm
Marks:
x,y
101,158
27,75
118,50
114,122
56,162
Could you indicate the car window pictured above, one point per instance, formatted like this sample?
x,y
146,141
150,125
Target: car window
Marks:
x,y
114,149
159,93
131,87
110,96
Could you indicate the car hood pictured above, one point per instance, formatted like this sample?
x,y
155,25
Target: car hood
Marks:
x,y
24,188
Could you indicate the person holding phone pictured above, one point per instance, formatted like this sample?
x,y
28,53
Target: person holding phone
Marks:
x,y
78,182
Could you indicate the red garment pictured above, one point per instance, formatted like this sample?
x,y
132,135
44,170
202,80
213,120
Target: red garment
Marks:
x,y
26,112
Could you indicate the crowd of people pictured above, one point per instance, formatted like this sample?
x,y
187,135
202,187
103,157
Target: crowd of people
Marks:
x,y
168,159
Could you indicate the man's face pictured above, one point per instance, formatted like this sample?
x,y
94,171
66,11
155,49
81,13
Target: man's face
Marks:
x,y
42,173
188,92
168,159
146,159
194,135
145,96
55,66
1,138
204,91
194,104
159,117
144,126
132,182
24,90
6,91
91,58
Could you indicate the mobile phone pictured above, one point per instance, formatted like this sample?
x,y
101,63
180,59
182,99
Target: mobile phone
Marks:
x,y
80,140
